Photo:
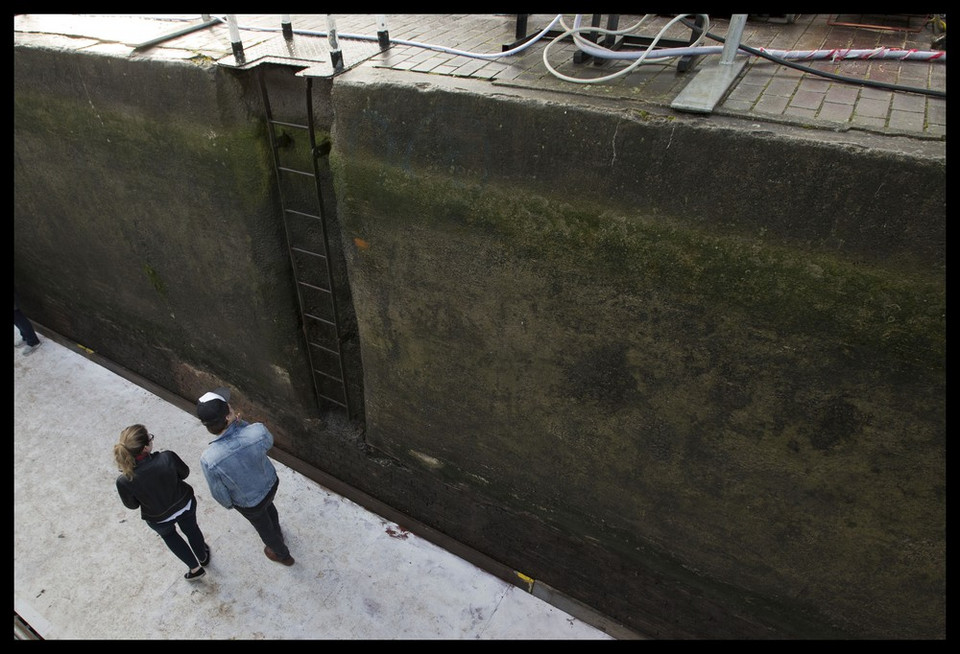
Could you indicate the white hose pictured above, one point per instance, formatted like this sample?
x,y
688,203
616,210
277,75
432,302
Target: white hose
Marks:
x,y
645,56
642,58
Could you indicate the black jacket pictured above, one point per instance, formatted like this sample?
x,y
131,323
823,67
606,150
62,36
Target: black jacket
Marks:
x,y
158,488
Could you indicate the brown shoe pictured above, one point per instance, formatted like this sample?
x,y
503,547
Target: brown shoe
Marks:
x,y
273,556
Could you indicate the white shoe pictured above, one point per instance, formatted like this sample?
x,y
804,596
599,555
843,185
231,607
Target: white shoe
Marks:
x,y
19,343
31,349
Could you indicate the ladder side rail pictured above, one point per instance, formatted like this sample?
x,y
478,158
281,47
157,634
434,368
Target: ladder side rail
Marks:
x,y
326,241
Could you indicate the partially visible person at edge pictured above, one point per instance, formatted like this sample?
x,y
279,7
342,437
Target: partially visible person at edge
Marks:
x,y
238,471
28,336
154,483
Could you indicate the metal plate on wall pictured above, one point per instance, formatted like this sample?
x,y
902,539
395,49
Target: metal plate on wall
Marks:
x,y
311,53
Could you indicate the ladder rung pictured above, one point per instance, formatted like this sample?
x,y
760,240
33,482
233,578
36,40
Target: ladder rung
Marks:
x,y
316,288
328,375
304,215
294,170
314,254
326,349
319,319
338,402
286,124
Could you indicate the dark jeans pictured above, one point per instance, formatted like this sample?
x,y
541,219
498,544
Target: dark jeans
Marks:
x,y
266,521
26,328
188,524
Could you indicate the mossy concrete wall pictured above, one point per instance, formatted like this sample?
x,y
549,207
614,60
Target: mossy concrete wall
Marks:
x,y
690,375
725,348
145,221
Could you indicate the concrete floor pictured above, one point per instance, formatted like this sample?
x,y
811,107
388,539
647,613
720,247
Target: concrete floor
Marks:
x,y
86,567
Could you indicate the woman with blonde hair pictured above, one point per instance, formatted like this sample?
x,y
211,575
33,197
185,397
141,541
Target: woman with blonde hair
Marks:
x,y
154,483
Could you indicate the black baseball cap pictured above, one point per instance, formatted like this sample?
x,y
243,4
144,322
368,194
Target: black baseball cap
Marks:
x,y
212,406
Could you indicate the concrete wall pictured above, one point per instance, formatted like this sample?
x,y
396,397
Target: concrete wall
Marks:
x,y
145,222
691,376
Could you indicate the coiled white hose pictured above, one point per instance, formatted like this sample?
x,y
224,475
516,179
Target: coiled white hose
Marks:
x,y
588,47
649,55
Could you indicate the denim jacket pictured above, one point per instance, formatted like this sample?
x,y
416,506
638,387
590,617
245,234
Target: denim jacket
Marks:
x,y
236,465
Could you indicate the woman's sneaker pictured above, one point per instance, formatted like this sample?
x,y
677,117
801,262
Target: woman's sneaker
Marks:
x,y
190,576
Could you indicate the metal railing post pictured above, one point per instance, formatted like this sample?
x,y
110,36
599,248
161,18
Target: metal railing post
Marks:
x,y
732,42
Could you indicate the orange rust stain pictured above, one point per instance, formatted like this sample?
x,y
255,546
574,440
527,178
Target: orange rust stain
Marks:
x,y
361,244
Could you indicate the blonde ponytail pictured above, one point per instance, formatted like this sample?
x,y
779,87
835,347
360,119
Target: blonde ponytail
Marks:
x,y
132,441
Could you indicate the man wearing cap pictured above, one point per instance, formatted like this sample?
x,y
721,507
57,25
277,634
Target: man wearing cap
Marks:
x,y
239,472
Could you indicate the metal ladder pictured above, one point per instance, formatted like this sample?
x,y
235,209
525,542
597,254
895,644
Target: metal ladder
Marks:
x,y
309,249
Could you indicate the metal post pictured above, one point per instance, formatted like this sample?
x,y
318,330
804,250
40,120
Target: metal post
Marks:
x,y
521,26
705,91
336,57
235,38
383,36
286,26
732,42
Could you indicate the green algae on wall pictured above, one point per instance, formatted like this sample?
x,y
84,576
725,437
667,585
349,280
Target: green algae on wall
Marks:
x,y
674,389
167,192
155,279
868,311
127,139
